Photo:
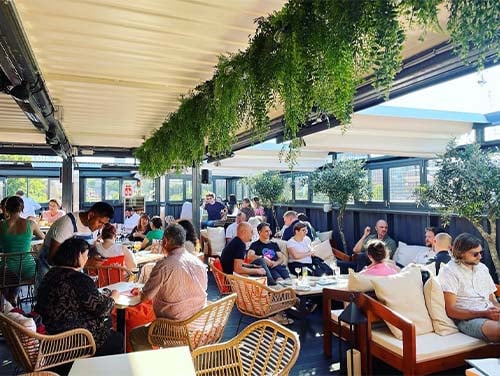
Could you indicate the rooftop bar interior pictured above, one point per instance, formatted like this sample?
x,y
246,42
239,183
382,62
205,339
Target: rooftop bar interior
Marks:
x,y
88,91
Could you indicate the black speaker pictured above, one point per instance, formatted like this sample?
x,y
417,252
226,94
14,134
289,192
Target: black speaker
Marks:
x,y
205,176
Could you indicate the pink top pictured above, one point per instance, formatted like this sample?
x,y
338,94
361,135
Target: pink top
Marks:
x,y
380,269
47,216
259,211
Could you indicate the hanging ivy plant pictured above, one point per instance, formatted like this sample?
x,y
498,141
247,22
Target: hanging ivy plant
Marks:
x,y
310,54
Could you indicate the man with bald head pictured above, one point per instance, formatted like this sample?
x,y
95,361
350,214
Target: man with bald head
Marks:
x,y
381,229
233,254
442,247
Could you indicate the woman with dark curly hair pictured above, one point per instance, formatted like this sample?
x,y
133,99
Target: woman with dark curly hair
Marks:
x,y
68,299
192,243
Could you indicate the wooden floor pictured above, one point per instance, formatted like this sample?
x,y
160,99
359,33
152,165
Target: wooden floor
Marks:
x,y
311,360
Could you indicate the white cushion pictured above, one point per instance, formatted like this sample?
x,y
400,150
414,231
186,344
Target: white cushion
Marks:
x,y
429,346
327,235
434,300
404,293
323,250
217,238
360,282
283,249
407,253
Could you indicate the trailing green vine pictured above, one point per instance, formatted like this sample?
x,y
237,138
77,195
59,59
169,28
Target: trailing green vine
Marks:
x,y
310,54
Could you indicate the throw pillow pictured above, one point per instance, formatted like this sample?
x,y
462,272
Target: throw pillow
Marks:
x,y
407,253
404,293
217,239
360,282
327,235
434,300
283,249
323,250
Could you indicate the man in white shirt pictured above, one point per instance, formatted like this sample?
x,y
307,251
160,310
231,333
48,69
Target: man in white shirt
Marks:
x,y
469,291
231,229
131,219
30,206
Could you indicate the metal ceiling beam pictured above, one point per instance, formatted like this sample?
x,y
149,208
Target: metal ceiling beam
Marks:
x,y
19,66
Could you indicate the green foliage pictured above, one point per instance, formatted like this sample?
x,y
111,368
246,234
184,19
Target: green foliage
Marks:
x,y
268,186
467,184
342,181
310,54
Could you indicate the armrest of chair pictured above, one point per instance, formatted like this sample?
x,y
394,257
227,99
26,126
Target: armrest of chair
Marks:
x,y
376,311
64,348
341,255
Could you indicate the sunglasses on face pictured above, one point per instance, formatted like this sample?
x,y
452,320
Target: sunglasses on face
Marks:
x,y
475,254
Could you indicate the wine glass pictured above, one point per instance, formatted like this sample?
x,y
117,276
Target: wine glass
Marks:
x,y
298,270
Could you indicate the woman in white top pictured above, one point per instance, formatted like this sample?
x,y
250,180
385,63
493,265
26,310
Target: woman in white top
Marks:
x,y
300,253
108,248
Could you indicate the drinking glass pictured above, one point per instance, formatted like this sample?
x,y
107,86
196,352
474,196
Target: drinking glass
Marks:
x,y
137,246
298,270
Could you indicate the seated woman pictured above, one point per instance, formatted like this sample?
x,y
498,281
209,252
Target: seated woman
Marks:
x,y
15,237
377,253
108,248
139,232
246,208
156,232
192,243
301,255
68,299
258,208
54,212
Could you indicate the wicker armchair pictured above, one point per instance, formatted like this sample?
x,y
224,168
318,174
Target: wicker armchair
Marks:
x,y
220,277
258,300
262,348
109,274
35,352
203,328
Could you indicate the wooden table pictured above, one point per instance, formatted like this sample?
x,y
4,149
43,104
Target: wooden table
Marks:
x,y
169,361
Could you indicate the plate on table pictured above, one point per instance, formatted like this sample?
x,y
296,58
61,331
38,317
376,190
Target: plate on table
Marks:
x,y
303,288
286,282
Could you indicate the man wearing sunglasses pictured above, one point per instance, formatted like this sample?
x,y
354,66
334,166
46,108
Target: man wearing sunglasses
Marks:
x,y
469,291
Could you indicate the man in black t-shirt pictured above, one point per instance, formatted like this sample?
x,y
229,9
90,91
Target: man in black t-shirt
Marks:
x,y
268,251
233,255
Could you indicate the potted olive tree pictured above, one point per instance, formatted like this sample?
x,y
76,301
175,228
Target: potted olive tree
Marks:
x,y
467,185
269,187
342,181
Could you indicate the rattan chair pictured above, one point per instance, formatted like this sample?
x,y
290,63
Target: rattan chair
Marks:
x,y
258,300
220,277
12,274
35,352
109,274
262,348
203,328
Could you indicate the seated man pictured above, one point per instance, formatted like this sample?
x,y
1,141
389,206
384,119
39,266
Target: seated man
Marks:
x,y
442,246
180,268
231,229
430,235
290,218
233,255
469,291
268,251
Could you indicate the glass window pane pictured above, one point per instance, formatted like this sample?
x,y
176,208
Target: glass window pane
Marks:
x,y
205,188
301,187
376,178
402,183
148,189
287,191
239,190
16,184
38,189
189,190
175,190
220,188
431,170
55,189
320,198
93,189
492,133
162,188
112,190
